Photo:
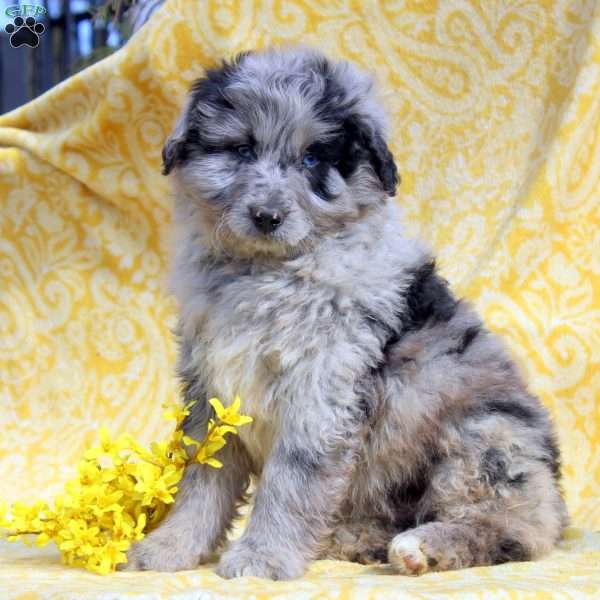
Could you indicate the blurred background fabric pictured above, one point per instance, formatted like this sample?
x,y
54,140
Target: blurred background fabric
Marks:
x,y
495,113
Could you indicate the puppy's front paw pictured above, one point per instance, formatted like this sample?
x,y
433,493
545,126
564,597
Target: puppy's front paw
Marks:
x,y
242,560
158,552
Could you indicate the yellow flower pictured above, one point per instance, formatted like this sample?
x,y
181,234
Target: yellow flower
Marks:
x,y
126,528
164,490
27,519
162,452
154,483
80,496
174,447
89,472
177,413
210,446
189,441
78,536
121,475
50,528
132,444
104,558
221,430
107,447
107,501
230,415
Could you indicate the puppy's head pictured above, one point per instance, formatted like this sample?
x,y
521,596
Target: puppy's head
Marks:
x,y
277,149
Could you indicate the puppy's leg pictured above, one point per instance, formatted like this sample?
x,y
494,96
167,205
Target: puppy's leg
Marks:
x,y
297,493
204,508
304,481
443,546
489,507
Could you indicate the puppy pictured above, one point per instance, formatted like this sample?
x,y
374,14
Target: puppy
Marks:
x,y
389,424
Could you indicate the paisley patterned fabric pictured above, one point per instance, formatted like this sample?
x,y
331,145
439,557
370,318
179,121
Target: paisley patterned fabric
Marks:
x,y
495,110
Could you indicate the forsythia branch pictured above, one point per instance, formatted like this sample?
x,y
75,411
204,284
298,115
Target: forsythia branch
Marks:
x,y
122,491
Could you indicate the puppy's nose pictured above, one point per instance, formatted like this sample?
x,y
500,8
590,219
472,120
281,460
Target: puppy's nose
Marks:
x,y
266,220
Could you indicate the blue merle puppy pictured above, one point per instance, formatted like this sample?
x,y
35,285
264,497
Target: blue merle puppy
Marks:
x,y
389,423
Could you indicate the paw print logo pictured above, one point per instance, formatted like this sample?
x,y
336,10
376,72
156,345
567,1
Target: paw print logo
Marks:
x,y
24,32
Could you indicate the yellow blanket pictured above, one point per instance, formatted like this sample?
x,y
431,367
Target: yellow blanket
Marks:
x,y
496,114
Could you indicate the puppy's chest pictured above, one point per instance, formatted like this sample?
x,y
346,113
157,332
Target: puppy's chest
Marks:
x,y
260,335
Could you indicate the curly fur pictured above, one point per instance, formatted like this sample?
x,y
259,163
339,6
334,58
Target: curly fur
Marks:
x,y
389,423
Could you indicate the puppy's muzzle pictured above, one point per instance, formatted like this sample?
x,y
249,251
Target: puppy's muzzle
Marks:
x,y
266,220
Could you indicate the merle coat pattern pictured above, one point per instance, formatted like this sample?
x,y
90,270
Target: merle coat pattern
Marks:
x,y
389,423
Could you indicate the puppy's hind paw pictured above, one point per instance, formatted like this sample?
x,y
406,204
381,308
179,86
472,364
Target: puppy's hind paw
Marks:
x,y
406,555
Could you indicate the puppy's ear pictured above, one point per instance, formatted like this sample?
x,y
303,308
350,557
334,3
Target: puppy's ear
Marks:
x,y
383,163
206,99
173,150
380,156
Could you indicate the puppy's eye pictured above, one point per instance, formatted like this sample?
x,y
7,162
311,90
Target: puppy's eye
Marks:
x,y
245,151
310,160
